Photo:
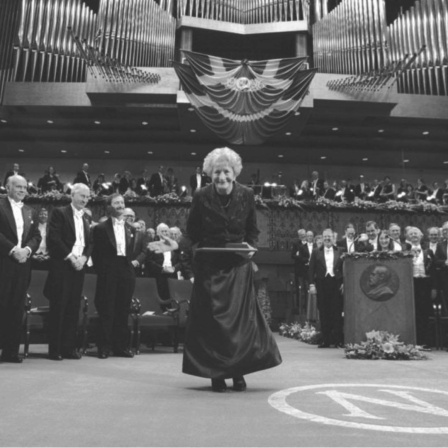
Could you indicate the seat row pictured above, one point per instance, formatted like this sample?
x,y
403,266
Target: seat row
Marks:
x,y
145,315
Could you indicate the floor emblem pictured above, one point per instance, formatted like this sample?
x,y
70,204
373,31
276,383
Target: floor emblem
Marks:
x,y
377,407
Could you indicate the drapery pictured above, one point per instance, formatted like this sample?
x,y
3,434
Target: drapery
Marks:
x,y
244,102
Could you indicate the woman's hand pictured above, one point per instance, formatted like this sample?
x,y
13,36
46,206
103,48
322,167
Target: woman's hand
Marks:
x,y
247,255
164,245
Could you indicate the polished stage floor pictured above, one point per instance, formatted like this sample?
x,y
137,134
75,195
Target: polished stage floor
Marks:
x,y
315,398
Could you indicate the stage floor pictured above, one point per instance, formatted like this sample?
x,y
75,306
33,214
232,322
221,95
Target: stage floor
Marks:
x,y
315,398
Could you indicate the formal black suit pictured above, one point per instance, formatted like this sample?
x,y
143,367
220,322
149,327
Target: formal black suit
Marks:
x,y
14,276
154,268
316,190
348,193
64,284
205,180
329,193
82,178
440,266
361,191
329,298
376,193
422,298
115,285
157,184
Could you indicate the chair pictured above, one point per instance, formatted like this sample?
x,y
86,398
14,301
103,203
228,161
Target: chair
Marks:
x,y
180,291
37,310
151,317
92,319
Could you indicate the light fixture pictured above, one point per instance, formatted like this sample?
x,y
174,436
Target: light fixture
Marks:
x,y
21,150
323,157
380,131
50,121
4,121
106,152
446,162
405,160
335,129
191,109
63,151
193,130
97,122
365,159
288,133
150,152
425,132
280,156
267,184
296,113
193,153
144,123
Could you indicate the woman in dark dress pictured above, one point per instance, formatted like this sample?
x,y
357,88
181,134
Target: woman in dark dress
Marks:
x,y
50,181
227,335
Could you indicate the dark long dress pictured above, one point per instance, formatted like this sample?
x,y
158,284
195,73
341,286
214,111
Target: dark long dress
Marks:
x,y
226,335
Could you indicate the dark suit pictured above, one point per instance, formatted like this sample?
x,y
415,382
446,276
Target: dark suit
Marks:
x,y
115,285
376,193
329,298
422,298
299,269
357,246
329,193
64,284
318,189
194,182
348,193
361,191
14,276
157,185
154,268
139,251
441,268
82,178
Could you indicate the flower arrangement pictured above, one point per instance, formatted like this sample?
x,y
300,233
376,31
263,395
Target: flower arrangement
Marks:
x,y
383,345
377,255
358,204
259,202
305,333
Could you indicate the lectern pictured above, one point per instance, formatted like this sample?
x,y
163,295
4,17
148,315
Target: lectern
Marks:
x,y
378,295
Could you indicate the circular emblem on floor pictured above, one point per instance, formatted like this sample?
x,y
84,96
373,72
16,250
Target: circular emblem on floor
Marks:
x,y
377,407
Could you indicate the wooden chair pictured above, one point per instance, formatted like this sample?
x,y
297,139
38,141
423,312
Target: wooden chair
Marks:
x,y
38,309
150,317
91,328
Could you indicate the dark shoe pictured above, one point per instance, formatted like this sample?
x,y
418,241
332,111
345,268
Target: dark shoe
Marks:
x,y
55,357
103,354
126,353
239,384
15,359
323,345
72,354
219,386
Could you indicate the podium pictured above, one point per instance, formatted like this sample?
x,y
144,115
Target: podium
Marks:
x,y
378,295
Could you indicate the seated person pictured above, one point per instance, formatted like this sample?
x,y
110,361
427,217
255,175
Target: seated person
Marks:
x,y
162,266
